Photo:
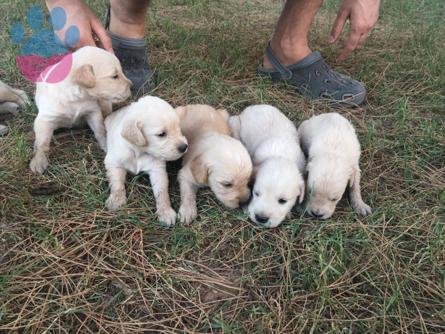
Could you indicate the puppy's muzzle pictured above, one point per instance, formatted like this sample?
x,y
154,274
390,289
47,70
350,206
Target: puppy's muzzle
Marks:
x,y
316,214
261,219
182,147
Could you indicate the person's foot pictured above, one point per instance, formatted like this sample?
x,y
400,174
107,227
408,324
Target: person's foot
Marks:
x,y
313,78
132,53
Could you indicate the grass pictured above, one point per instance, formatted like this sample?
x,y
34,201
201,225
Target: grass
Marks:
x,y
68,265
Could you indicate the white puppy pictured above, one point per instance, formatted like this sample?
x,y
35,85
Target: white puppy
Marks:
x,y
333,152
141,138
272,141
95,82
11,100
214,159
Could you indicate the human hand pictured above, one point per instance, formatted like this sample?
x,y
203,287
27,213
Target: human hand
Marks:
x,y
91,30
362,16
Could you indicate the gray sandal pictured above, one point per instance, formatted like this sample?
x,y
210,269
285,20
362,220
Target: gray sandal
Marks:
x,y
313,78
132,54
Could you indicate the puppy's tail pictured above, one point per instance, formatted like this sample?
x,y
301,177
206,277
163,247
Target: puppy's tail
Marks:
x,y
235,126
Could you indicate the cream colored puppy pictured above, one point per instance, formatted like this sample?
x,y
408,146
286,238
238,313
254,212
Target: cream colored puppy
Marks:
x,y
95,82
214,159
272,141
11,100
141,138
333,152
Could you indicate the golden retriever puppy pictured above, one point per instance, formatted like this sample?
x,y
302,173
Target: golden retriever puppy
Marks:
x,y
333,152
11,100
95,82
272,141
214,159
141,138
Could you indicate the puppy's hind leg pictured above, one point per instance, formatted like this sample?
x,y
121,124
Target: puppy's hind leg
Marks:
x,y
355,194
187,211
116,178
95,121
43,131
159,184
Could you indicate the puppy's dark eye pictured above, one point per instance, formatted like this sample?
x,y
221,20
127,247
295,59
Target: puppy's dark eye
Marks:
x,y
115,76
227,184
162,134
256,193
282,201
334,199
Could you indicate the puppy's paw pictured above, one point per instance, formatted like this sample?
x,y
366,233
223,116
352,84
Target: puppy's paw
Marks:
x,y
115,201
167,216
10,107
187,214
3,130
362,208
39,164
24,100
14,109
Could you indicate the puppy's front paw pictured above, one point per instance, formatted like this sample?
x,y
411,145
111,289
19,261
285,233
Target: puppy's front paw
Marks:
x,y
3,130
115,201
10,107
39,164
167,216
187,214
24,100
362,208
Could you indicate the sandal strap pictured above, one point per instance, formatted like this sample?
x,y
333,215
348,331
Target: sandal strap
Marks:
x,y
284,71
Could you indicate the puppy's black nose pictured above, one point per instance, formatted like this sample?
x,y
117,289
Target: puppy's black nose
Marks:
x,y
261,219
182,148
316,215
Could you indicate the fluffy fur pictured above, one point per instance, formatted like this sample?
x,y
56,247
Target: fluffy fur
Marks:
x,y
11,100
333,152
214,159
141,138
95,82
272,141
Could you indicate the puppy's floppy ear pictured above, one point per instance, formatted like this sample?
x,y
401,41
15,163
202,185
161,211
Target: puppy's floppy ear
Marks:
x,y
132,132
199,170
84,76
